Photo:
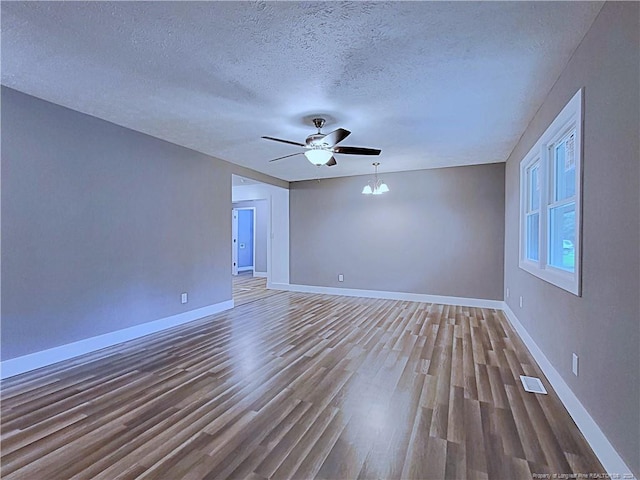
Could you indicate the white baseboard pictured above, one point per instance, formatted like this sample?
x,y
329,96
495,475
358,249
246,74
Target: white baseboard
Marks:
x,y
260,274
245,269
611,461
412,297
18,365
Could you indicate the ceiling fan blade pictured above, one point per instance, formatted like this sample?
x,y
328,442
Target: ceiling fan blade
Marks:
x,y
284,141
357,150
331,162
335,137
286,156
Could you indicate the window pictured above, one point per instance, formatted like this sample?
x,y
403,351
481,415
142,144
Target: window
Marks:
x,y
550,201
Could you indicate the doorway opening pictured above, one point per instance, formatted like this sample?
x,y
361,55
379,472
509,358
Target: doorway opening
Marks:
x,y
270,255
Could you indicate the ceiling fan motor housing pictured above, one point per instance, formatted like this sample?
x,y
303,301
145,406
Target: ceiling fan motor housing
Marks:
x,y
315,140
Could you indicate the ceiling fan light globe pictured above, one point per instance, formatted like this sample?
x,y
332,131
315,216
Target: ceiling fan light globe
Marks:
x,y
367,190
318,156
383,188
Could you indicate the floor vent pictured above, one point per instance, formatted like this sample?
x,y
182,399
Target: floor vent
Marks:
x,y
532,384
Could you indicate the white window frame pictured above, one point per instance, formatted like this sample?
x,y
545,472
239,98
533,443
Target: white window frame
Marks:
x,y
528,164
570,118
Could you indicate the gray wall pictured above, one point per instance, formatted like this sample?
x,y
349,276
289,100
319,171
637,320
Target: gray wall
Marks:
x,y
437,232
602,327
262,217
104,227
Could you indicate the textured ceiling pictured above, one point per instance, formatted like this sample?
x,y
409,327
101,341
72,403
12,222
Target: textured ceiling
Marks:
x,y
430,83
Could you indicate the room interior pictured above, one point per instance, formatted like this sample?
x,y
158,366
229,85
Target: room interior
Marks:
x,y
131,130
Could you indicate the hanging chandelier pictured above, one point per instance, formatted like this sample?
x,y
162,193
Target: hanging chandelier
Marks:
x,y
377,187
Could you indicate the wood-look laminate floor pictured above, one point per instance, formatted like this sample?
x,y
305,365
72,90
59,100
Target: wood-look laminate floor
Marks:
x,y
247,288
296,386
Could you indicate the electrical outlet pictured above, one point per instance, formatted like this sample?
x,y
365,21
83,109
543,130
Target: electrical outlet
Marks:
x,y
341,278
520,301
574,365
507,292
183,297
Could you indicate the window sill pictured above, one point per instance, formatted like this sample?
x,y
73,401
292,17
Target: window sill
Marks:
x,y
560,278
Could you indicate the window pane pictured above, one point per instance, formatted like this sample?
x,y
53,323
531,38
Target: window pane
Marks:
x,y
534,189
565,168
533,226
562,237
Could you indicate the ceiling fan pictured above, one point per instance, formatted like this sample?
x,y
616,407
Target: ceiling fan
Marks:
x,y
320,147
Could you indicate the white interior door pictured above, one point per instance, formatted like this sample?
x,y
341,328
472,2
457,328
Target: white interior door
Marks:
x,y
246,235
234,242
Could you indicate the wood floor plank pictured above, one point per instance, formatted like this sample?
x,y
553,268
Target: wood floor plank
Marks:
x,y
294,385
415,460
